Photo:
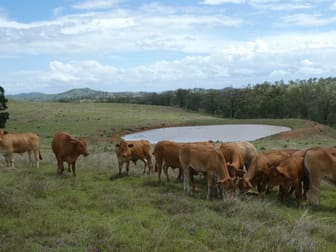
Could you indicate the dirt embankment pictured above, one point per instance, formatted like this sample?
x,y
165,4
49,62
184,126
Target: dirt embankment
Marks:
x,y
312,128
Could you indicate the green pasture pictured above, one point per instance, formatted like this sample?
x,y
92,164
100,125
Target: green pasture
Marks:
x,y
100,210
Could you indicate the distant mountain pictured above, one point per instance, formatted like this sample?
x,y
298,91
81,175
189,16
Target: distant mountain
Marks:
x,y
78,94
35,96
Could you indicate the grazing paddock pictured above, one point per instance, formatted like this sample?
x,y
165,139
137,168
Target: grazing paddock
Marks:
x,y
100,210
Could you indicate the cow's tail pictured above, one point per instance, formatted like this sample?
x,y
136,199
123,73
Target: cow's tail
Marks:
x,y
40,156
306,176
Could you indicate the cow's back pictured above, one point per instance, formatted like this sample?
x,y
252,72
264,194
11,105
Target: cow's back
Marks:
x,y
141,148
20,142
199,156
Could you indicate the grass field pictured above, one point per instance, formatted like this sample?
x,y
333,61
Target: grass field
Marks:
x,y
100,210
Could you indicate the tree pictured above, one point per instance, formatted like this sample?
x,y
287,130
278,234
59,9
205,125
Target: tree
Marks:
x,y
3,105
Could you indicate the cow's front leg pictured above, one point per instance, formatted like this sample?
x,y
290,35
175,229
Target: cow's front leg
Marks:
x,y
11,161
127,167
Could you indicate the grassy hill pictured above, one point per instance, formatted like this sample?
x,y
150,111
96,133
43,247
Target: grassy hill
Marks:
x,y
101,211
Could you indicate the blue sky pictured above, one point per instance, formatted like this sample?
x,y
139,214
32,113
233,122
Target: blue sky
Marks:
x,y
120,45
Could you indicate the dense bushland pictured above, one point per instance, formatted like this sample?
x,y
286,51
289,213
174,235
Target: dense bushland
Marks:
x,y
313,99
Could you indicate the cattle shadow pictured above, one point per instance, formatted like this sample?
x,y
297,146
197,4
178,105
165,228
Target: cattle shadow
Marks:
x,y
118,176
321,208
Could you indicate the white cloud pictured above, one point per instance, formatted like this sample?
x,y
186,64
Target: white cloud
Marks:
x,y
113,31
303,19
218,2
96,4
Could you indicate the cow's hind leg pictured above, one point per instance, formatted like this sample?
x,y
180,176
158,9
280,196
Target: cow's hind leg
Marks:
x,y
145,166
37,158
60,166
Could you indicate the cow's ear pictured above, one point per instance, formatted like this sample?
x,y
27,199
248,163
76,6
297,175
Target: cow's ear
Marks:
x,y
73,140
130,145
284,175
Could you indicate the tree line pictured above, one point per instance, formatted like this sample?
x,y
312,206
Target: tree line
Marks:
x,y
313,99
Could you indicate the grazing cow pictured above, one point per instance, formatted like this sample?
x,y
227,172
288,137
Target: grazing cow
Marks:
x,y
68,148
167,154
257,173
248,152
19,143
290,173
320,163
206,159
233,157
133,151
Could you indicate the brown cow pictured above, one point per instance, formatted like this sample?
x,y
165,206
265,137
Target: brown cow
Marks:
x,y
133,151
290,173
320,163
205,158
257,173
19,143
167,154
68,148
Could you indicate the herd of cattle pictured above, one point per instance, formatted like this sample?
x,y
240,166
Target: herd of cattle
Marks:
x,y
227,167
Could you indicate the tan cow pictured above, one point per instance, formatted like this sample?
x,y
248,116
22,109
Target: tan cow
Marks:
x,y
19,143
248,152
233,157
290,173
167,155
320,163
206,159
133,151
257,173
68,148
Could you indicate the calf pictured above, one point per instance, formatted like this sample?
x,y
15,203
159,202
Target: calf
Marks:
x,y
206,159
257,173
68,148
133,151
19,143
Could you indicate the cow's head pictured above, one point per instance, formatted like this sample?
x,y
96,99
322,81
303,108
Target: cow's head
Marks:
x,y
228,184
277,177
123,148
244,185
80,145
234,172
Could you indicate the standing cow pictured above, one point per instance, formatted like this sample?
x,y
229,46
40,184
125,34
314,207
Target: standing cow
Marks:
x,y
320,163
19,143
133,151
67,148
206,159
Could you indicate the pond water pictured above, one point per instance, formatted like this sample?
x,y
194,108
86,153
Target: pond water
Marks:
x,y
224,133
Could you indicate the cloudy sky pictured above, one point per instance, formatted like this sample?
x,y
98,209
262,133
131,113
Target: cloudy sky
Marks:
x,y
143,45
